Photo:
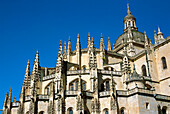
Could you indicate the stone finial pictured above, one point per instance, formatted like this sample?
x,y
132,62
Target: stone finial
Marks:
x,y
109,48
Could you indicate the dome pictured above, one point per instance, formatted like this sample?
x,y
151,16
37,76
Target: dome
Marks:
x,y
137,36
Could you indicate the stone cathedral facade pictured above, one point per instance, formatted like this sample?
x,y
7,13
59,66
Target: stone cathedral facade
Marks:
x,y
130,77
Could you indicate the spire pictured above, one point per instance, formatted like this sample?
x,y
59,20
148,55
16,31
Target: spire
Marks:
x,y
69,45
101,43
65,51
128,9
88,42
78,43
109,48
27,75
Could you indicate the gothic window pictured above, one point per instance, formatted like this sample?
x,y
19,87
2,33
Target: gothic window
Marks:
x,y
107,86
164,62
27,112
144,70
73,86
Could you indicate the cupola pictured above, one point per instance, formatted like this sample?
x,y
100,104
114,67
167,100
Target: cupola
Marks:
x,y
129,20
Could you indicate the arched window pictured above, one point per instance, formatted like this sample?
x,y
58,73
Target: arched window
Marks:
x,y
73,86
122,110
144,70
27,112
164,65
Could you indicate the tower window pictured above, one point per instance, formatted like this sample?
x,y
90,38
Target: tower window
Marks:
x,y
71,111
164,63
144,70
129,23
106,112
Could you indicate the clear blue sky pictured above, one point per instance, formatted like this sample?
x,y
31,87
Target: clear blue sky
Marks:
x,y
28,25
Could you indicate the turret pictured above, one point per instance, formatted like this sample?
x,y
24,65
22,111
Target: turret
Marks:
x,y
109,48
129,20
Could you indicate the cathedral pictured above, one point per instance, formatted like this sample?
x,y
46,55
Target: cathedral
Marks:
x,y
130,77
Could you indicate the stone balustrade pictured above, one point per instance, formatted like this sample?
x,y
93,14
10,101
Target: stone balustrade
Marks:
x,y
43,97
49,77
110,72
71,92
73,72
104,93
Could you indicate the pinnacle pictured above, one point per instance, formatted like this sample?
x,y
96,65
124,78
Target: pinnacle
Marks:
x,y
69,39
128,9
88,34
